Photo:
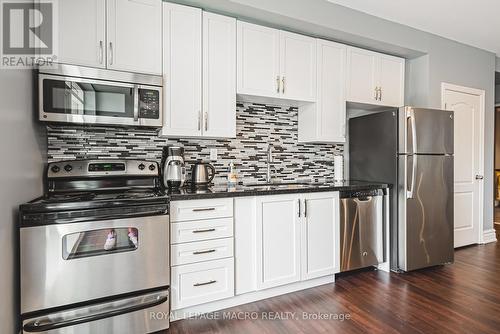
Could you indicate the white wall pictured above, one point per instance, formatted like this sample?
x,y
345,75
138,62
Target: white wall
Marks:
x,y
20,177
446,60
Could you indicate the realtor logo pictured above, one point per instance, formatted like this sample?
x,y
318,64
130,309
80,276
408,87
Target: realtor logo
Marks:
x,y
27,33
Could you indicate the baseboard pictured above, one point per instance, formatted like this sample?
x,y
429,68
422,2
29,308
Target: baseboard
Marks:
x,y
489,236
197,310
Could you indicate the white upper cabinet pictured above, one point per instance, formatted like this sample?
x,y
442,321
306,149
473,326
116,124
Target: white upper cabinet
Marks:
x,y
82,32
115,34
219,76
391,80
258,50
375,78
320,235
298,66
275,64
324,121
182,70
134,35
199,65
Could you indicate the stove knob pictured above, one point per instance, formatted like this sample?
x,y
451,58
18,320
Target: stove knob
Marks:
x,y
68,168
141,166
152,167
55,169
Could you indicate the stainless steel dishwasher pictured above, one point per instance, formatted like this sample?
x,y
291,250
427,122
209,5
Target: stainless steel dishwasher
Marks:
x,y
361,229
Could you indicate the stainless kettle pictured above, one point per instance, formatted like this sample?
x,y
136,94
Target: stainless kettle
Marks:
x,y
202,174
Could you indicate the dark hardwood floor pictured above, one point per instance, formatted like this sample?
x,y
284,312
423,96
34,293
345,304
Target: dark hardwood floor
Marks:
x,y
460,298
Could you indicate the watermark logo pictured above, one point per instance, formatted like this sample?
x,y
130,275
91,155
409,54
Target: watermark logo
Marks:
x,y
28,33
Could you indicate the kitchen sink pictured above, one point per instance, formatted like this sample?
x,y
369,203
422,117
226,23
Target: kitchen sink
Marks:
x,y
278,185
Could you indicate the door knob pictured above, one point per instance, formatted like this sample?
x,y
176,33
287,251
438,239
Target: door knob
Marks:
x,y
479,177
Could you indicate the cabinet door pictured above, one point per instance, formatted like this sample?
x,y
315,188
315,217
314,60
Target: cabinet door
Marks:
x,y
82,32
331,104
361,76
391,80
134,36
278,240
182,70
257,60
320,235
219,76
298,66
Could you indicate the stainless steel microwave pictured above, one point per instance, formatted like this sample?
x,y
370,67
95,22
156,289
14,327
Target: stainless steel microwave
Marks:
x,y
84,95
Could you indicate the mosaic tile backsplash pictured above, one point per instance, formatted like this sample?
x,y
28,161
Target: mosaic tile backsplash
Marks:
x,y
257,126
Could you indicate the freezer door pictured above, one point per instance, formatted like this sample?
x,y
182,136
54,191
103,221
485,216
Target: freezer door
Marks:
x,y
425,211
425,131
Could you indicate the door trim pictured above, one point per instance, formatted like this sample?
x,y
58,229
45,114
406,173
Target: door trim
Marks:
x,y
482,110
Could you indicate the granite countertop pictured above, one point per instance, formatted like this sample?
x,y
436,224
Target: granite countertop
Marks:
x,y
221,191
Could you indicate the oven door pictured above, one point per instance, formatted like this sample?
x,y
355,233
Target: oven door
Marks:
x,y
64,264
91,101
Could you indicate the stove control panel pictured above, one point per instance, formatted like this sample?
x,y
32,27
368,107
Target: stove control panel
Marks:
x,y
96,168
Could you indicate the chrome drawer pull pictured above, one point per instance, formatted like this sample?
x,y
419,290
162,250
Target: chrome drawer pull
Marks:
x,y
203,209
205,283
203,231
204,252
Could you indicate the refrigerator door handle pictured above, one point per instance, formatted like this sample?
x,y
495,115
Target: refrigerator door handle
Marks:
x,y
411,118
409,193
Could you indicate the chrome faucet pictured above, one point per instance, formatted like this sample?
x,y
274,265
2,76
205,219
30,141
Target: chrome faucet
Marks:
x,y
269,161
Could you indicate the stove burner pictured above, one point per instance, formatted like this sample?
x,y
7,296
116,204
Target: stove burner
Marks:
x,y
71,197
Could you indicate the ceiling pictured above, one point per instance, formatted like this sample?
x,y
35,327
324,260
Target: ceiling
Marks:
x,y
475,23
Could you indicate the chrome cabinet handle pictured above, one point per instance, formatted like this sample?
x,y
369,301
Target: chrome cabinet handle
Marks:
x,y
205,283
204,231
479,177
305,208
199,120
283,88
376,93
380,93
204,252
101,52
111,53
277,84
203,209
206,121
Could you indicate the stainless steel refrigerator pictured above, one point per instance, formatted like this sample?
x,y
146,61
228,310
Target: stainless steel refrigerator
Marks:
x,y
412,149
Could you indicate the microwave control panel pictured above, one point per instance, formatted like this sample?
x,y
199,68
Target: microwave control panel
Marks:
x,y
149,103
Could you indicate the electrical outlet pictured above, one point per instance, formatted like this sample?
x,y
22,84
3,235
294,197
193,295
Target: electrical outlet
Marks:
x,y
213,154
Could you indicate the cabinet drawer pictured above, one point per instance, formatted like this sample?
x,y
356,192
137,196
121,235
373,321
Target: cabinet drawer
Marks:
x,y
201,251
201,230
199,283
201,209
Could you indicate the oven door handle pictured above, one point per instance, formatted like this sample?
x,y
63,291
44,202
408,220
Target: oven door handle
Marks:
x,y
136,103
44,324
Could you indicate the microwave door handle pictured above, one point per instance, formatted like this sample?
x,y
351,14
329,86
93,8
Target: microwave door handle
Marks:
x,y
136,103
39,325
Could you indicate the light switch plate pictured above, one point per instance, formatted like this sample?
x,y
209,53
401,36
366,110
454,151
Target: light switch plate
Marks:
x,y
213,154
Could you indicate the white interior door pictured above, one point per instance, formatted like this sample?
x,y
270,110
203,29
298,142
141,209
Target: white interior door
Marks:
x,y
468,106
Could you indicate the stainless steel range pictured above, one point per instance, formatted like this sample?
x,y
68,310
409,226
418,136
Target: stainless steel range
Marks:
x,y
94,251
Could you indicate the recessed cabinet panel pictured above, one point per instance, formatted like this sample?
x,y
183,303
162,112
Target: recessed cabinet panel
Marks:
x,y
219,76
258,60
391,81
182,66
361,76
134,42
298,66
82,32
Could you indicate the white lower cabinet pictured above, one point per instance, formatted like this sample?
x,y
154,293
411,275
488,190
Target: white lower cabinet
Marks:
x,y
296,238
199,283
278,240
